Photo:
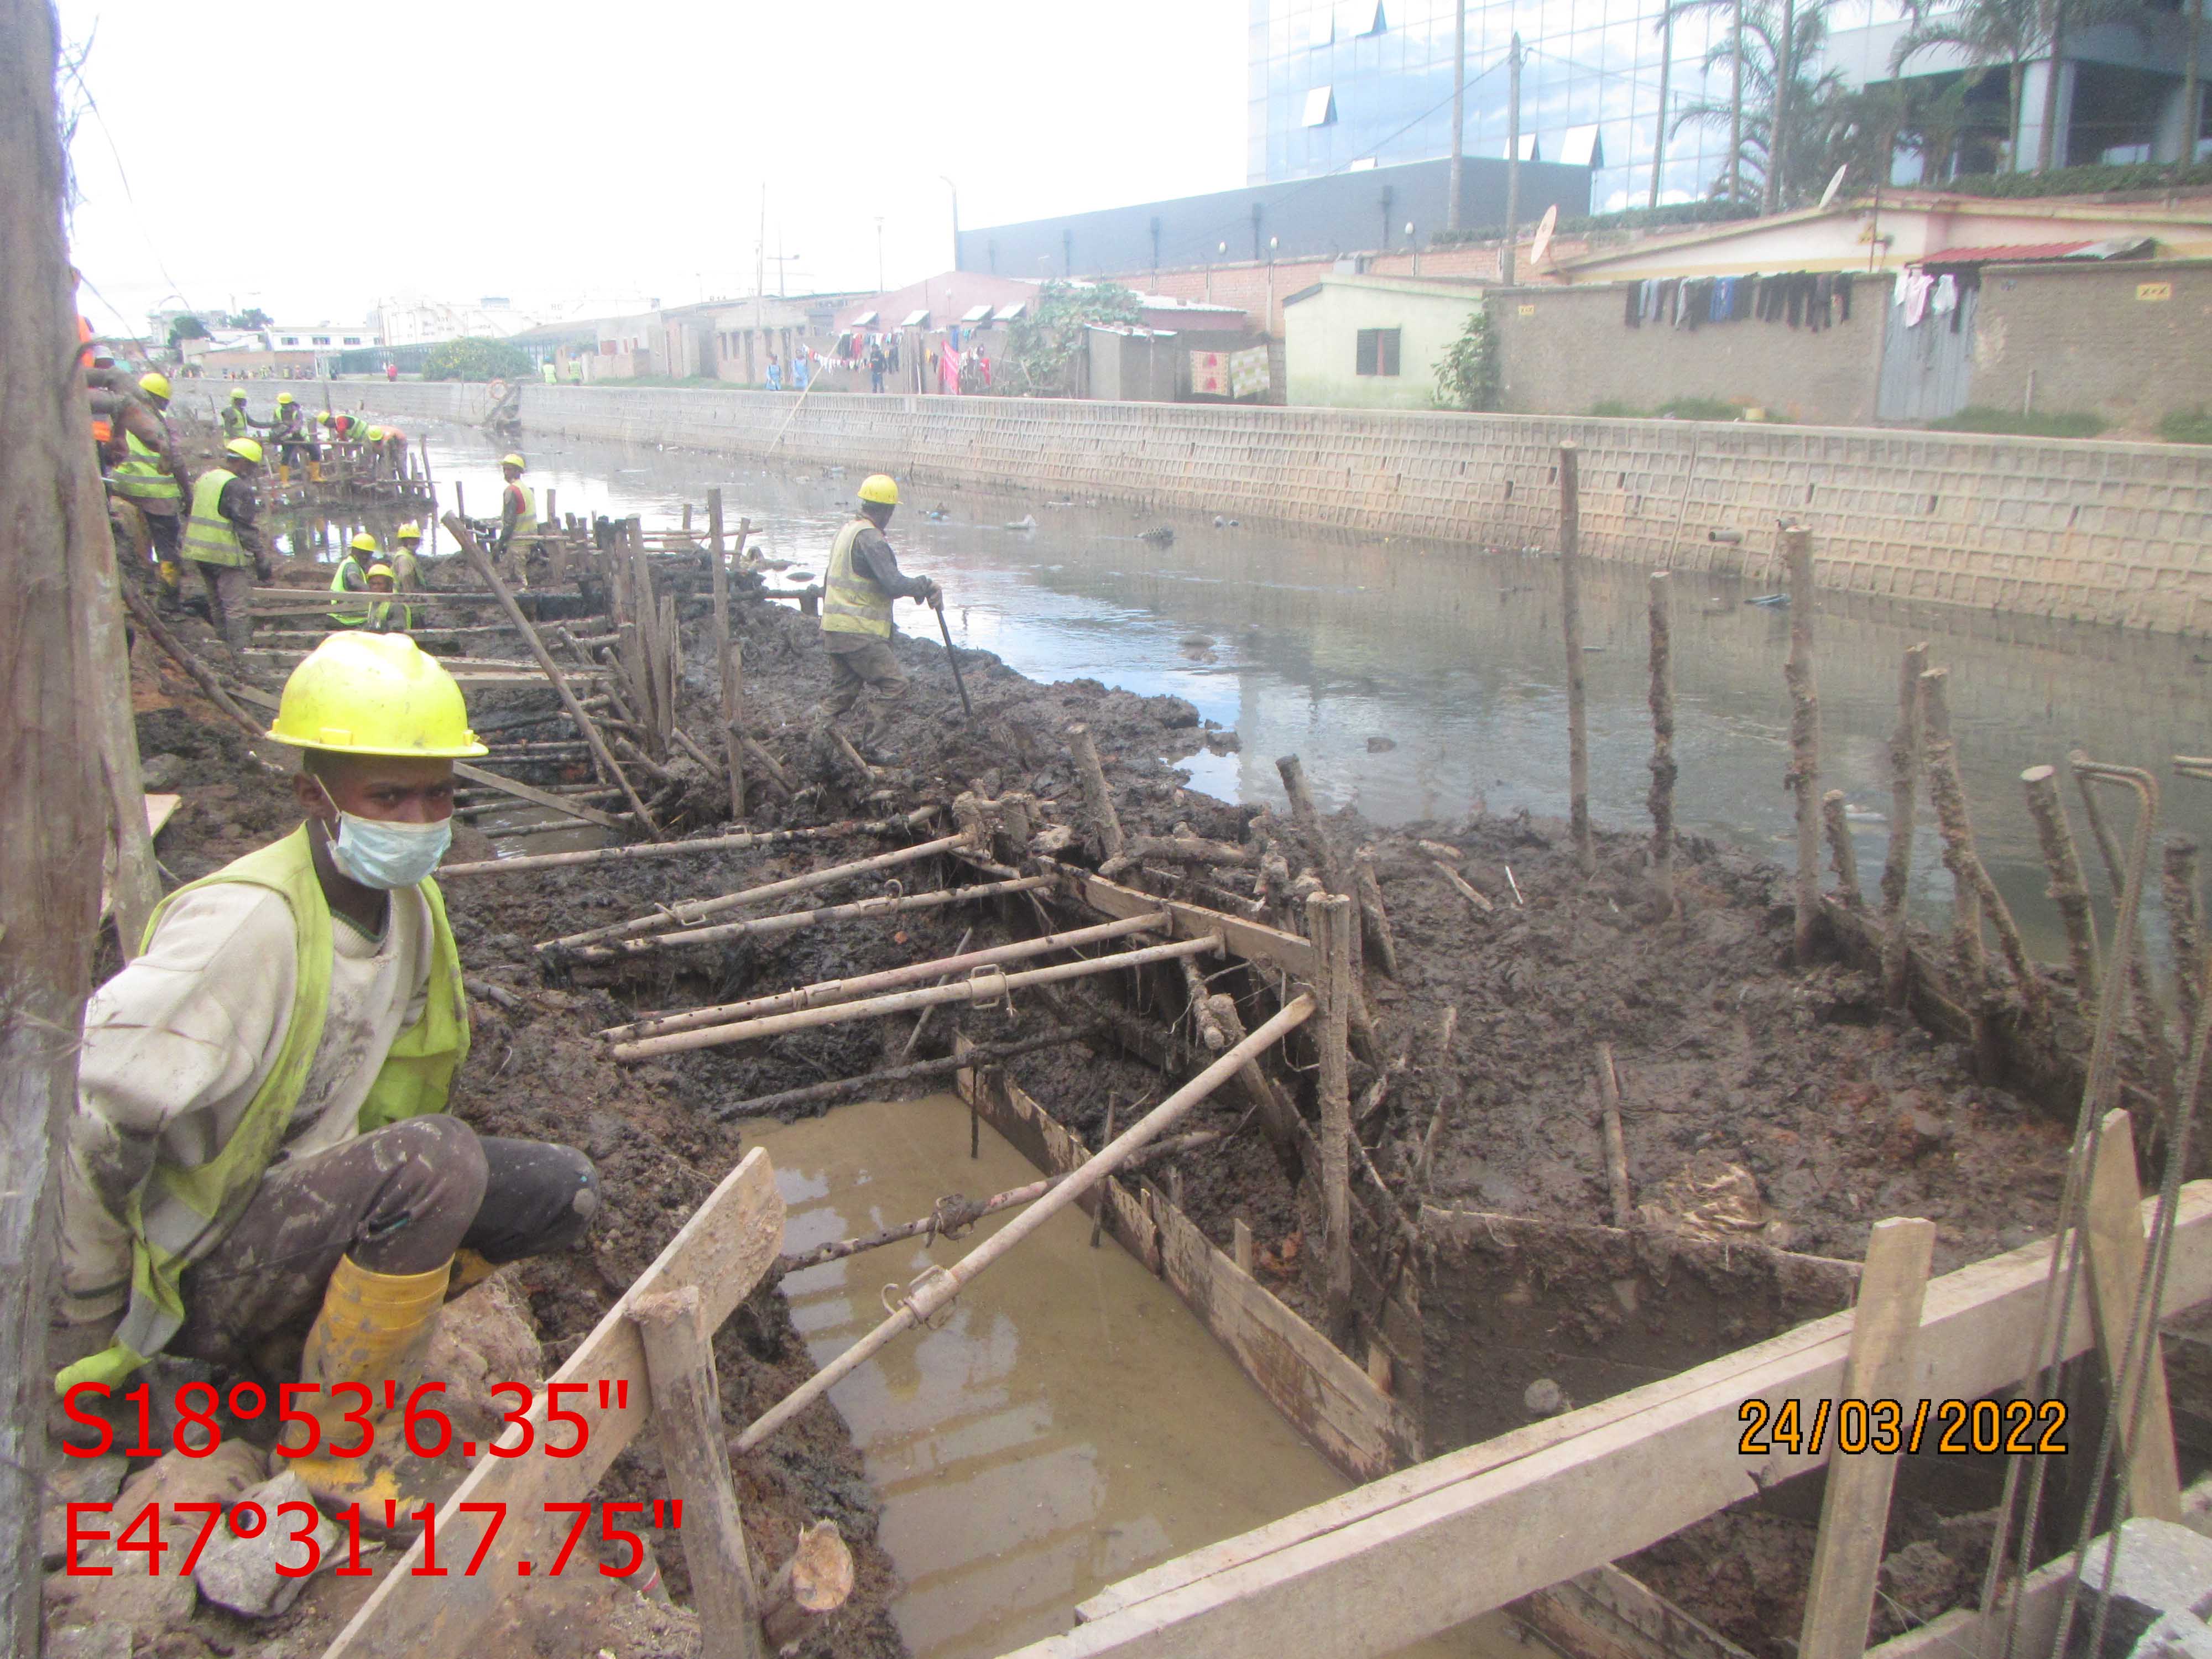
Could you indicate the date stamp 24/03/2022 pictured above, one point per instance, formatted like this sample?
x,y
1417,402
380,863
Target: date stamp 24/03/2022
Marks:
x,y
1947,1427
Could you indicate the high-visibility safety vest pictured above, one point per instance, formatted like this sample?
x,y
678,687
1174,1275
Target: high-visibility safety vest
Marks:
x,y
143,478
361,611
210,538
182,1211
524,501
236,423
389,617
853,603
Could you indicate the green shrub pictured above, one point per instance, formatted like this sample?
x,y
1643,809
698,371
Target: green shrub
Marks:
x,y
2080,181
1700,409
2186,426
473,358
2010,422
1661,218
1616,408
1467,373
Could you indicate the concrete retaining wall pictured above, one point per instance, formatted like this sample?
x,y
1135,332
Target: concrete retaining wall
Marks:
x,y
2090,531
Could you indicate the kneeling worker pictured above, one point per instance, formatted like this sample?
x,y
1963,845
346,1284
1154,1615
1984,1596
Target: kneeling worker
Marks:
x,y
261,1139
863,579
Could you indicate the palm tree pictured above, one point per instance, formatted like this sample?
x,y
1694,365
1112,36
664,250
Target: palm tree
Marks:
x,y
1751,51
1990,32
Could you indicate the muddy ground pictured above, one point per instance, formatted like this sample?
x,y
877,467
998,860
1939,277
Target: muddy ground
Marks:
x,y
1793,1096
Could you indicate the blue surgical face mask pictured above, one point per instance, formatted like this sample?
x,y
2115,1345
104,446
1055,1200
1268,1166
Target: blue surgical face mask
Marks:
x,y
385,855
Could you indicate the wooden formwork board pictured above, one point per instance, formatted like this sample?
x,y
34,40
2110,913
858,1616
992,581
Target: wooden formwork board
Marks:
x,y
730,1240
1325,1395
1252,940
1435,1545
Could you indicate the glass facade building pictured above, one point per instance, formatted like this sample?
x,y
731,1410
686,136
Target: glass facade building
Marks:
x,y
1341,84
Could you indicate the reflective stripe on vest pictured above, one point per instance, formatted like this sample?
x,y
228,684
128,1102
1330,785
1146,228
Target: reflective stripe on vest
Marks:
x,y
852,602
526,514
182,1213
142,478
210,538
349,618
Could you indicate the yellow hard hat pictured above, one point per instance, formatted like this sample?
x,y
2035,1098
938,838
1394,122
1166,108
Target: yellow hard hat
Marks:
x,y
381,568
154,384
374,694
881,488
283,397
244,449
325,419
363,543
511,460
375,432
411,532
238,395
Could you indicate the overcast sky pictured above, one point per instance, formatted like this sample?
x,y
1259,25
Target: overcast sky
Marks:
x,y
312,159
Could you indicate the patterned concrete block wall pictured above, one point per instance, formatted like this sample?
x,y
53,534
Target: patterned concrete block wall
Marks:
x,y
2092,532
2131,341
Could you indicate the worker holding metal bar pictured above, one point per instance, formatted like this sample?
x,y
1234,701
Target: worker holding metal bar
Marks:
x,y
863,579
236,423
262,1172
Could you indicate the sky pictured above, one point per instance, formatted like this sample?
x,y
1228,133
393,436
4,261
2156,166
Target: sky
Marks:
x,y
312,159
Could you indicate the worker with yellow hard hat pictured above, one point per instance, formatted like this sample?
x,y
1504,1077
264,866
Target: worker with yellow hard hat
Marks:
x,y
857,589
387,616
236,423
223,541
517,511
146,478
262,1171
406,567
350,575
294,443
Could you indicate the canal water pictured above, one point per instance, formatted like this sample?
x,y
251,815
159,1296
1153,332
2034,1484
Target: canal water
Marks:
x,y
1069,1423
1420,680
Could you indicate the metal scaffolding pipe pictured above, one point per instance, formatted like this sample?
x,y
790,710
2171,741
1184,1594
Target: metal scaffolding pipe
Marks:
x,y
988,988
825,993
935,1288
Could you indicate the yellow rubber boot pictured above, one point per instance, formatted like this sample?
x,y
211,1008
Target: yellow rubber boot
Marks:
x,y
315,472
470,1269
283,472
374,1330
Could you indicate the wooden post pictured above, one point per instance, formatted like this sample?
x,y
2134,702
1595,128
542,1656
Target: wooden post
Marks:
x,y
1948,795
1804,775
1328,920
1616,1146
809,1587
584,724
2068,890
1660,800
2178,883
1307,816
1240,1245
670,666
54,541
1570,628
1097,800
1854,1509
1904,789
2115,1229
1841,854
1375,920
687,1418
143,614
729,657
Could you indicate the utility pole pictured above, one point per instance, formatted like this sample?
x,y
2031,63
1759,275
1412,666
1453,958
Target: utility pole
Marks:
x,y
55,553
955,189
2192,91
1512,162
1459,108
1666,67
1785,70
760,275
1735,106
879,253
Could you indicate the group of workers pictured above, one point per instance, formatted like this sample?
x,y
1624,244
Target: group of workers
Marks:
x,y
299,440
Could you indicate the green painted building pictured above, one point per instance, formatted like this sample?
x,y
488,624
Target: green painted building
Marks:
x,y
1354,342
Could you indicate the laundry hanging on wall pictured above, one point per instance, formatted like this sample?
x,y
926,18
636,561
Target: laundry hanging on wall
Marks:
x,y
1813,300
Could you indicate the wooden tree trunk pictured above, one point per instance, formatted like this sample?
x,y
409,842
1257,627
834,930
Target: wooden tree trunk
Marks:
x,y
1804,737
1661,799
1904,793
54,545
1571,627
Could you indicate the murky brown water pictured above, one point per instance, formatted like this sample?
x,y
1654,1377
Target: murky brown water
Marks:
x,y
1068,1424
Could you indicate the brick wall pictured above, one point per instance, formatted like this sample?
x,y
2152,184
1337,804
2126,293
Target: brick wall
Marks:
x,y
2108,532
1567,350
2093,344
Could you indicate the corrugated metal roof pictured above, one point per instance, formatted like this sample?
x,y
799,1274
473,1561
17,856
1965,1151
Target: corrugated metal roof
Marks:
x,y
916,318
2006,253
